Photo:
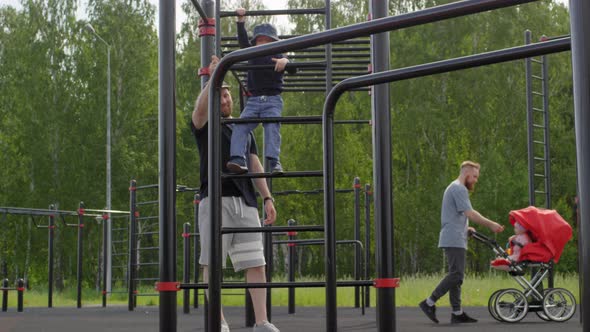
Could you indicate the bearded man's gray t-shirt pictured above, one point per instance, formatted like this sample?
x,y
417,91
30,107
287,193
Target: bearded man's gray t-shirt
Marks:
x,y
454,223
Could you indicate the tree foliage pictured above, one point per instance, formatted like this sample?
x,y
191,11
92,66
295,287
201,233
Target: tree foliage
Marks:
x,y
53,125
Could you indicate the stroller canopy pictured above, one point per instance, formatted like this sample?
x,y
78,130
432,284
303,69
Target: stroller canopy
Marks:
x,y
549,230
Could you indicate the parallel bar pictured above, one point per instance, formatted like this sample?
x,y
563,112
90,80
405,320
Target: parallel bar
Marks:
x,y
274,12
301,174
274,229
305,284
313,119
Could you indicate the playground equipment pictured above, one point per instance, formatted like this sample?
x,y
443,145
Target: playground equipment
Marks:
x,y
20,288
382,137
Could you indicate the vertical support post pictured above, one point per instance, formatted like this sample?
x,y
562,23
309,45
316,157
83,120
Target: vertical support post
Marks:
x,y
196,201
580,32
5,295
382,170
51,233
80,253
529,121
20,290
367,242
167,161
132,263
105,254
292,253
214,195
186,242
357,236
329,197
268,255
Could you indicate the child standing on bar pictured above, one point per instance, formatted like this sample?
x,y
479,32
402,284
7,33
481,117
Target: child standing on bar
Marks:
x,y
264,100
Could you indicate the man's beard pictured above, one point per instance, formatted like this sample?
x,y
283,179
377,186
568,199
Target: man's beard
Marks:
x,y
470,185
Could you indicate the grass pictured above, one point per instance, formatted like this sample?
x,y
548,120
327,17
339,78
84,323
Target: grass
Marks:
x,y
475,292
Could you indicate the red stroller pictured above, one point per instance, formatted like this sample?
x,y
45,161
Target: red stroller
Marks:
x,y
550,233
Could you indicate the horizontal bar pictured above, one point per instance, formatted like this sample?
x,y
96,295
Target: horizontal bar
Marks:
x,y
147,203
147,186
314,119
106,211
349,41
307,192
147,218
317,242
306,284
274,12
301,174
445,66
297,65
267,229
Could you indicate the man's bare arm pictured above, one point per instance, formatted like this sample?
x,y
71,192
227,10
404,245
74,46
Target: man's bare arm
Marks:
x,y
260,183
477,218
201,111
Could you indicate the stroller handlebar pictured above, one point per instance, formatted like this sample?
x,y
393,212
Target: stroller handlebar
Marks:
x,y
489,242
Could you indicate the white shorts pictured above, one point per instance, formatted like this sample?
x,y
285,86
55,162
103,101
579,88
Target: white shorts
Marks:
x,y
245,249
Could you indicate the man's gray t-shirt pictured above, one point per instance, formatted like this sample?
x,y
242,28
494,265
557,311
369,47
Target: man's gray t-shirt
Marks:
x,y
454,223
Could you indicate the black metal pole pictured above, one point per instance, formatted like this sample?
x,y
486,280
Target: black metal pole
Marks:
x,y
186,242
214,176
268,253
51,233
131,261
80,253
357,236
167,162
329,223
105,243
580,32
291,271
197,267
5,295
367,242
382,172
20,290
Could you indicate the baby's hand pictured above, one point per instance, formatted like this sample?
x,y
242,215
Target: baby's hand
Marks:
x,y
280,64
241,12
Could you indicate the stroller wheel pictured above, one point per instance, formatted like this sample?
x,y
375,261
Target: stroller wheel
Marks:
x,y
559,304
511,305
492,305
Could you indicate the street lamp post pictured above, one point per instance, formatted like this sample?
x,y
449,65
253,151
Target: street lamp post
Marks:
x,y
108,261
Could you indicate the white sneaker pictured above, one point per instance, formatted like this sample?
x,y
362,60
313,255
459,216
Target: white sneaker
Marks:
x,y
224,326
265,327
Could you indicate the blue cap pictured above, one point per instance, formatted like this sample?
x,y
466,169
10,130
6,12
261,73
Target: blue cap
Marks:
x,y
264,29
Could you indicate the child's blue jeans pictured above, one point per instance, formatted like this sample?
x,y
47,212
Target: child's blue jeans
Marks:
x,y
259,107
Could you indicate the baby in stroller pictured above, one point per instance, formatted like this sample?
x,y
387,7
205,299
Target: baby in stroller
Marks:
x,y
540,236
517,241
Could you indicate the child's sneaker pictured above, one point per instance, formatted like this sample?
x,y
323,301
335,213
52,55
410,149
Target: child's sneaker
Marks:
x,y
224,326
275,166
237,165
265,327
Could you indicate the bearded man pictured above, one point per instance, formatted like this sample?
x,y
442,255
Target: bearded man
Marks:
x,y
456,212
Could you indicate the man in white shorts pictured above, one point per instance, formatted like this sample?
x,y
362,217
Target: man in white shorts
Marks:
x,y
239,206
